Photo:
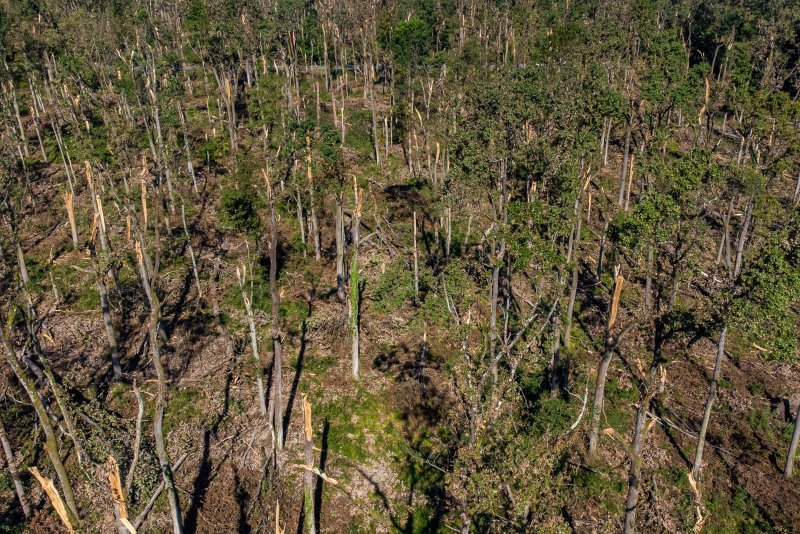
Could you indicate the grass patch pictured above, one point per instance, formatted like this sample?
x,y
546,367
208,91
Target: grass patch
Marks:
x,y
736,513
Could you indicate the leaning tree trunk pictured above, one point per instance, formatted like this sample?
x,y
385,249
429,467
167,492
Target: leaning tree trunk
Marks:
x,y
573,288
158,427
51,443
262,399
635,472
12,470
602,369
712,393
787,471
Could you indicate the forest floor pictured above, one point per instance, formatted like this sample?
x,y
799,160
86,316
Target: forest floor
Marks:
x,y
372,436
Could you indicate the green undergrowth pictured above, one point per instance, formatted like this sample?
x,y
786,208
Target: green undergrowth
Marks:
x,y
735,513
361,426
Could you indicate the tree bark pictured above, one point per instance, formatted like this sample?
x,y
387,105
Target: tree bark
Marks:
x,y
308,477
602,369
277,363
712,393
625,156
12,470
355,283
51,443
787,471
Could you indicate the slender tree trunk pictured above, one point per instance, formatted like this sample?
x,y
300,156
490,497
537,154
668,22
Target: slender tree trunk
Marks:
x,y
625,156
556,352
308,478
370,78
12,470
712,393
105,307
787,471
340,288
158,426
748,214
68,202
262,398
314,222
602,369
355,283
277,363
573,288
191,252
416,260
51,443
189,164
635,473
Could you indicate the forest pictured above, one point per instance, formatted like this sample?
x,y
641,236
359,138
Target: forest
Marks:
x,y
409,266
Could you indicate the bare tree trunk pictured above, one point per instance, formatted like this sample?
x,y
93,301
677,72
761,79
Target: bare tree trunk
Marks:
x,y
625,156
189,164
748,214
602,369
137,441
635,472
556,351
712,393
105,307
355,283
277,364
158,427
51,443
370,79
308,478
12,470
787,471
68,202
314,221
262,402
573,289
191,252
416,260
340,290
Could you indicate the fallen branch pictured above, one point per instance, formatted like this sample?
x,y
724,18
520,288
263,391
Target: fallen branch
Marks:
x,y
142,516
583,409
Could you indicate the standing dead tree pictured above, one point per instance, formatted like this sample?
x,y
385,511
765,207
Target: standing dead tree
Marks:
x,y
247,297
